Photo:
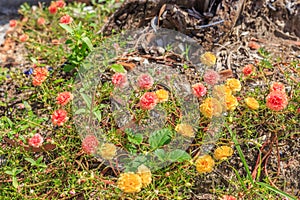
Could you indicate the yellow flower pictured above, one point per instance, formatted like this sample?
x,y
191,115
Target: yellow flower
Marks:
x,y
205,164
223,152
208,58
211,107
252,103
129,182
108,151
185,130
234,84
162,95
219,91
145,174
231,102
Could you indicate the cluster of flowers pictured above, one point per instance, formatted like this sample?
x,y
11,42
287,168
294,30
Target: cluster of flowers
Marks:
x,y
59,117
130,182
145,82
206,163
53,8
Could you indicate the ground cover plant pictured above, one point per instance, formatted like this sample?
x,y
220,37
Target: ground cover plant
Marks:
x,y
94,117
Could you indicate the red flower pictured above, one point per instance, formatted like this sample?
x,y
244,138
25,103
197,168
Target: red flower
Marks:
x,y
145,81
228,197
90,144
199,90
41,21
63,98
36,141
148,101
39,75
24,37
248,69
119,80
277,86
13,23
66,19
211,77
52,8
59,117
277,100
60,4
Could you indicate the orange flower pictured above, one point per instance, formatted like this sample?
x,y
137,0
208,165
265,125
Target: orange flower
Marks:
x,y
231,102
162,95
185,130
59,117
39,75
205,164
233,84
277,86
52,8
66,19
130,182
24,37
252,103
208,58
145,174
41,21
108,151
228,197
63,98
60,4
13,23
211,107
148,101
248,69
277,101
223,152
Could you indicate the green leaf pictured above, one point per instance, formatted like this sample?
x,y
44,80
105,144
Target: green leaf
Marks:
x,y
68,41
68,68
159,138
178,156
67,28
8,172
87,100
135,138
276,190
118,68
80,111
31,161
161,154
98,115
15,182
88,42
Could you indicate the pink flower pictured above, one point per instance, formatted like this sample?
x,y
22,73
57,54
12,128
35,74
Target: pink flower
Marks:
x,y
90,144
52,8
211,77
199,90
24,37
20,106
145,81
64,97
36,141
148,101
13,23
41,21
277,100
60,4
277,86
228,197
248,69
39,75
59,117
119,80
66,19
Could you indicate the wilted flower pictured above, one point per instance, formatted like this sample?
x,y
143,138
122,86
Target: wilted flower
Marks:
x,y
277,101
234,84
63,98
39,75
208,58
108,151
205,164
41,21
148,101
90,144
59,117
162,95
13,23
185,130
248,69
119,80
66,19
228,197
130,182
36,141
211,107
52,8
145,81
252,103
24,37
277,86
223,152
145,174
231,102
211,77
199,90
